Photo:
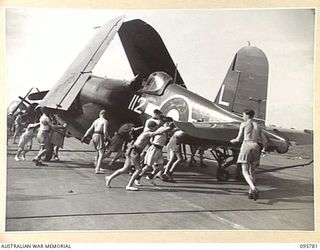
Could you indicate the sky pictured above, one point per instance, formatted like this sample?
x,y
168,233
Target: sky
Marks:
x,y
42,43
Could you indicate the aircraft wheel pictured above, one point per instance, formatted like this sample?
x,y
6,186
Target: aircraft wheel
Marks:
x,y
222,175
49,153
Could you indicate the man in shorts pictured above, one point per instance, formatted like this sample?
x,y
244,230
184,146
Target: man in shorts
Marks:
x,y
25,142
157,114
154,157
100,136
133,155
18,127
174,156
249,156
118,141
43,135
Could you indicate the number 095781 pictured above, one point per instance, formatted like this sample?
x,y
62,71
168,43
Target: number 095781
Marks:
x,y
307,246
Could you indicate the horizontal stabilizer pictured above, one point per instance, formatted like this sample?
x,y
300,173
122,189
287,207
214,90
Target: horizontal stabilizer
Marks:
x,y
294,136
68,87
210,131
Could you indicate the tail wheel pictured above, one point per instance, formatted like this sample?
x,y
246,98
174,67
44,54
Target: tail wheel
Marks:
x,y
222,175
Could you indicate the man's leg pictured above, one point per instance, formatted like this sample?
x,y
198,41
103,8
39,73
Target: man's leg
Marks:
x,y
176,163
135,160
247,176
170,162
99,161
118,172
20,149
116,157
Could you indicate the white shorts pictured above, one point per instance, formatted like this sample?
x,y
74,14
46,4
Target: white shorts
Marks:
x,y
25,141
153,156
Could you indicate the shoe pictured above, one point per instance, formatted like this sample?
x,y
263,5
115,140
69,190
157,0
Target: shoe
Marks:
x,y
137,183
35,160
23,157
56,158
255,194
163,177
153,183
39,164
250,196
129,188
108,181
17,158
158,175
170,177
99,172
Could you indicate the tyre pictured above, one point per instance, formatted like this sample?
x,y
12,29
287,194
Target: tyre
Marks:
x,y
222,175
49,153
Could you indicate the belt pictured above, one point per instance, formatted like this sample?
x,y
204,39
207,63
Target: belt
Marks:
x,y
157,146
98,132
249,140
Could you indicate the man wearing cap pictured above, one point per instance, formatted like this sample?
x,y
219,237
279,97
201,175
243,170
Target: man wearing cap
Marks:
x,y
100,136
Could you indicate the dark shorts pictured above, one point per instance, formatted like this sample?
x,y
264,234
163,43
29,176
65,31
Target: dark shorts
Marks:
x,y
249,153
133,157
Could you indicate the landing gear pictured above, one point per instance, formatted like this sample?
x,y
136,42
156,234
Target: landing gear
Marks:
x,y
222,155
49,153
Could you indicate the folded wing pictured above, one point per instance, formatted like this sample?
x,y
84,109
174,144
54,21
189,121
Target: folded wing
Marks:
x,y
68,87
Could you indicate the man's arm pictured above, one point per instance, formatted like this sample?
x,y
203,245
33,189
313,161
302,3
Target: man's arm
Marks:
x,y
161,130
264,139
105,131
87,132
240,134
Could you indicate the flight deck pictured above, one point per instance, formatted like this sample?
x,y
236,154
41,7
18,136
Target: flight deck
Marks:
x,y
67,195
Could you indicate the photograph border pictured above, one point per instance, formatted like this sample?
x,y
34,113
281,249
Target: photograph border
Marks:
x,y
188,236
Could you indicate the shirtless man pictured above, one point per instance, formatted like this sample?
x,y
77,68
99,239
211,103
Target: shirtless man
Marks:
x,y
100,136
133,155
249,156
154,157
174,156
156,118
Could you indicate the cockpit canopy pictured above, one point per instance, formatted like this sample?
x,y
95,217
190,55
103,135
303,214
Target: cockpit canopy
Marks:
x,y
156,83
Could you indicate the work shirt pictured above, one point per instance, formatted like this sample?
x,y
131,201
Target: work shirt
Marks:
x,y
45,123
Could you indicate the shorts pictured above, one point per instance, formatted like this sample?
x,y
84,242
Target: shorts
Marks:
x,y
98,141
24,141
249,153
133,158
154,156
44,138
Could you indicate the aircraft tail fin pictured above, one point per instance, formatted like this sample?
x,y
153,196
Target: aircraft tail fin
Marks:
x,y
246,84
